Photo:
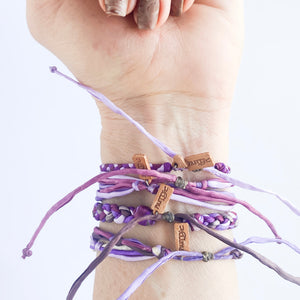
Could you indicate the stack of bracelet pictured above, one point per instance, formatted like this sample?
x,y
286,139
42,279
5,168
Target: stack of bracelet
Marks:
x,y
117,180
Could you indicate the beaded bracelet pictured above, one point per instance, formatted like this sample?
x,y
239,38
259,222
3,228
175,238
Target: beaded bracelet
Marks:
x,y
124,214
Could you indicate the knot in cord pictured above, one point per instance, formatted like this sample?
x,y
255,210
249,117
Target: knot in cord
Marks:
x,y
135,186
26,253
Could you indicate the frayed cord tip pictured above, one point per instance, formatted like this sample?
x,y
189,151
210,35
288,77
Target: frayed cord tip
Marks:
x,y
26,253
53,69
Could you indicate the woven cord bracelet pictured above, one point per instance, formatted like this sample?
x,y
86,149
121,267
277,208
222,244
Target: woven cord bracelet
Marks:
x,y
114,241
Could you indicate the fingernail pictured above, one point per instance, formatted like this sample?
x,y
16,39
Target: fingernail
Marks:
x,y
147,14
116,7
176,8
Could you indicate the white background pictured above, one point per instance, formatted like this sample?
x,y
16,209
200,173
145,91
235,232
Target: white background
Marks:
x,y
50,145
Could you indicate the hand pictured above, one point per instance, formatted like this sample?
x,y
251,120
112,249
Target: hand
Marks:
x,y
197,54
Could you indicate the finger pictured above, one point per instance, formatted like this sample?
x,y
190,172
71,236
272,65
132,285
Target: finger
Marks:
x,y
117,7
150,14
178,7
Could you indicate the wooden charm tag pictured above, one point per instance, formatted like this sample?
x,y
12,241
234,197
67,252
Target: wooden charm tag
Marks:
x,y
182,236
179,162
162,198
141,162
199,161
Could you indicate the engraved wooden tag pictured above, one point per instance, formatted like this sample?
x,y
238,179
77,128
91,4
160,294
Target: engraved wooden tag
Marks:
x,y
162,198
182,236
199,161
141,162
179,162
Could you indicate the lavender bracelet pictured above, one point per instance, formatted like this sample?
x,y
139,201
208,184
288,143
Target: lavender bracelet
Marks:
x,y
123,214
134,250
232,244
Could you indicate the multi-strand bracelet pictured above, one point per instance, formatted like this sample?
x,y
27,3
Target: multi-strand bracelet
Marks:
x,y
161,180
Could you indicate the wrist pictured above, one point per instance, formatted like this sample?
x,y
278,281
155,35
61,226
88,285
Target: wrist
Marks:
x,y
186,124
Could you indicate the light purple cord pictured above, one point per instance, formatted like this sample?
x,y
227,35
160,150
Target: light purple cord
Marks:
x,y
65,200
146,273
119,111
250,187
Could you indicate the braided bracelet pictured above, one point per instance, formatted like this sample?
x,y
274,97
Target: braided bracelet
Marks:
x,y
124,214
164,167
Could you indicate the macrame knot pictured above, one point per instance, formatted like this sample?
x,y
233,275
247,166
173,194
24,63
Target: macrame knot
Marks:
x,y
26,253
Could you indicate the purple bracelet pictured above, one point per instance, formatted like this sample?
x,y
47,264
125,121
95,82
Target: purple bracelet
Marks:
x,y
124,214
134,250
115,240
164,167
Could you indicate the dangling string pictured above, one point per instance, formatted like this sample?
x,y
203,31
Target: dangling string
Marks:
x,y
106,252
119,111
250,187
146,273
65,200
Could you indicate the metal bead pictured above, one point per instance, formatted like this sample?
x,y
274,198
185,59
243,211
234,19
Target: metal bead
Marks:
x,y
207,256
168,216
180,183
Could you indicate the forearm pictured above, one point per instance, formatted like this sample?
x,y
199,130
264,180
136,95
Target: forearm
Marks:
x,y
188,125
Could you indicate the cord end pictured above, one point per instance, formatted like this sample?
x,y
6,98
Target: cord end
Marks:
x,y
53,69
26,253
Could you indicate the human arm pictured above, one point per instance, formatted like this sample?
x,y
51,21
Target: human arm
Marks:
x,y
178,81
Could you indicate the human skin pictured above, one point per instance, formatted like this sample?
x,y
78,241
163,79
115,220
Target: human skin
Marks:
x,y
178,81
